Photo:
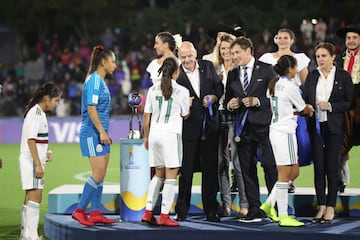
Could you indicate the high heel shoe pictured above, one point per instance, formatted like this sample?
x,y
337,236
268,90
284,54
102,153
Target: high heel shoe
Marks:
x,y
317,220
326,221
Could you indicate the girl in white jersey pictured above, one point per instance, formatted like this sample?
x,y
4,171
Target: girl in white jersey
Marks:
x,y
165,47
34,153
286,103
166,106
285,39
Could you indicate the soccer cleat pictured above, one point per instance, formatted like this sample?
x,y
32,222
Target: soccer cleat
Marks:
x,y
287,221
269,211
165,220
80,216
149,218
97,217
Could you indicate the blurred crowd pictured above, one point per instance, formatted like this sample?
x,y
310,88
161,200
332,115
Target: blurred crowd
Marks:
x,y
66,63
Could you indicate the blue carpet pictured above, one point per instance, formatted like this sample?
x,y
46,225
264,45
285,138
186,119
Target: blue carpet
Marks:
x,y
60,227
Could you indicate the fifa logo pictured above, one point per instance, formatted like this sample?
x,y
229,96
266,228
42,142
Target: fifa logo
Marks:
x,y
131,163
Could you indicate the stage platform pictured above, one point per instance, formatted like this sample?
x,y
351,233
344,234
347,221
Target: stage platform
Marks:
x,y
62,227
58,224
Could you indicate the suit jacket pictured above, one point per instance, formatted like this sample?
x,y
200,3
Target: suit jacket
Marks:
x,y
210,84
262,74
340,99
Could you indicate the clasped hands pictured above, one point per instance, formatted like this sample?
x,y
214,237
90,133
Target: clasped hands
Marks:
x,y
235,103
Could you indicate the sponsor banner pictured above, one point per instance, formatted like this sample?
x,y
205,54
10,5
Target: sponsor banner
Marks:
x,y
61,130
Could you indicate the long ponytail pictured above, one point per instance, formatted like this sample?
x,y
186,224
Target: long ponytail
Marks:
x,y
98,53
167,69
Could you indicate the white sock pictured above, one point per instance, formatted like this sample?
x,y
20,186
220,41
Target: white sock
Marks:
x,y
23,221
32,219
272,196
153,192
168,195
282,197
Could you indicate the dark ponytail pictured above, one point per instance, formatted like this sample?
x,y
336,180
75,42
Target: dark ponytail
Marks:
x,y
98,53
47,89
282,69
167,69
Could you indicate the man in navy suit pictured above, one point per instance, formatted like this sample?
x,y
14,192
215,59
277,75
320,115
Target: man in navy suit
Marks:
x,y
200,132
246,95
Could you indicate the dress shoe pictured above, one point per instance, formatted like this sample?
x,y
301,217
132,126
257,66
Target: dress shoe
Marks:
x,y
212,217
252,216
226,212
97,217
240,215
80,216
165,220
149,218
180,217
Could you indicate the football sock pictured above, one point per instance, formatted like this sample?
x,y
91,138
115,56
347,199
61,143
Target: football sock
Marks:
x,y
88,192
96,199
32,220
168,194
282,197
272,196
23,221
153,192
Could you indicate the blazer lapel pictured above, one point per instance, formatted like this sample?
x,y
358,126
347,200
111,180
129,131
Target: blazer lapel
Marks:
x,y
202,78
254,77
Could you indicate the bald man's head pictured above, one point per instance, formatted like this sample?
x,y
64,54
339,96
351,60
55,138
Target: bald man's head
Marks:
x,y
187,55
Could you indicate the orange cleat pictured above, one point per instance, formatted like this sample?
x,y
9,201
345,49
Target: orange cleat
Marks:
x,y
165,220
149,218
80,216
97,217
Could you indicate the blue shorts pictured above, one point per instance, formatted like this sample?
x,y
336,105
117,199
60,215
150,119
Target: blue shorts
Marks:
x,y
91,147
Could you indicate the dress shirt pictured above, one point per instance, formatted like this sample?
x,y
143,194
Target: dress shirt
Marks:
x,y
323,90
194,77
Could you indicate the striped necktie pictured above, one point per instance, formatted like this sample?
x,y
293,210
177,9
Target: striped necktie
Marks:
x,y
246,79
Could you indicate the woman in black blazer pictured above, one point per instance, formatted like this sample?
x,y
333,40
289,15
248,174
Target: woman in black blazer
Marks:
x,y
330,90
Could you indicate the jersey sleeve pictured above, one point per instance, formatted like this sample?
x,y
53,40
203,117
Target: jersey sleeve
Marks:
x,y
185,108
148,106
296,98
93,90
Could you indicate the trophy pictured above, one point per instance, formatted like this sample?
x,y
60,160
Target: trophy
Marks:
x,y
134,100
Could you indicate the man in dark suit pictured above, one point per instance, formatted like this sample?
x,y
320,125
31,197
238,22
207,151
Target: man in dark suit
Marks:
x,y
200,132
246,95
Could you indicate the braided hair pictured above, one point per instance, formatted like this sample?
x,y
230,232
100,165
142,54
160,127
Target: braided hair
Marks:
x,y
282,69
49,89
167,69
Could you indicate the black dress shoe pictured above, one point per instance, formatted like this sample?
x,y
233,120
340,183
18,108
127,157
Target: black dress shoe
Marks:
x,y
252,216
180,217
212,217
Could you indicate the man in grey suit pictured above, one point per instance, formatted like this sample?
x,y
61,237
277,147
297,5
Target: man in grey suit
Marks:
x,y
246,95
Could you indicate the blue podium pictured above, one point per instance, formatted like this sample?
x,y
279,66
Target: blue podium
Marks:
x,y
134,179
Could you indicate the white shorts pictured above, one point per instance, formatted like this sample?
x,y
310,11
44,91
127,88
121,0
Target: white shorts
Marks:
x,y
27,173
285,148
165,149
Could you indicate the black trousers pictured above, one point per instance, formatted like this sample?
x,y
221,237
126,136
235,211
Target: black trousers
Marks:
x,y
247,149
326,152
205,151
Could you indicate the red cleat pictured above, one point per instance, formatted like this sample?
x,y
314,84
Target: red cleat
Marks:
x,y
97,217
80,216
149,218
165,220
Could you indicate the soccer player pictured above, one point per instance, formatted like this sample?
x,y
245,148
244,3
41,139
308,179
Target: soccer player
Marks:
x,y
34,153
166,105
286,103
94,139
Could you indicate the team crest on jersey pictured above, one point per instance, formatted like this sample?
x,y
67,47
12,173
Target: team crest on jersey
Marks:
x,y
99,148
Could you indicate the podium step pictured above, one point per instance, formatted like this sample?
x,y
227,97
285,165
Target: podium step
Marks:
x,y
64,199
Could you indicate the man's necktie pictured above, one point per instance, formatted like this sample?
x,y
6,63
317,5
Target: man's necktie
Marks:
x,y
246,79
